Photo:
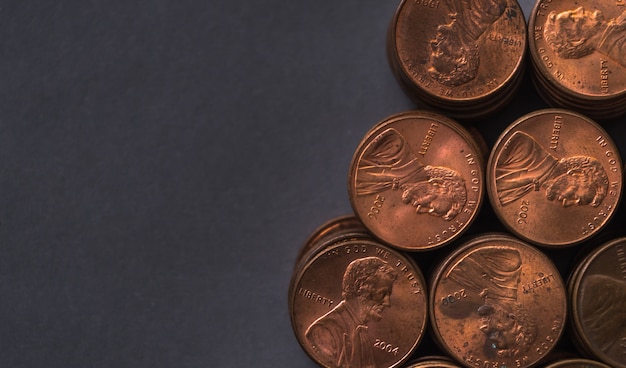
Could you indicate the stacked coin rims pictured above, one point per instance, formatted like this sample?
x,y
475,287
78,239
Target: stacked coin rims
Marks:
x,y
416,180
578,57
355,302
462,57
577,363
433,362
554,177
597,289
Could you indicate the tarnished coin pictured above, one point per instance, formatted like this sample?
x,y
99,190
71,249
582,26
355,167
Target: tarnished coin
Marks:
x,y
554,177
359,303
578,54
598,303
462,56
416,180
497,301
577,363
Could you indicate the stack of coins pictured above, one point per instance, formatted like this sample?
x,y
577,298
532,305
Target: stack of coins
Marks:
x,y
578,57
417,182
462,57
597,289
355,302
554,180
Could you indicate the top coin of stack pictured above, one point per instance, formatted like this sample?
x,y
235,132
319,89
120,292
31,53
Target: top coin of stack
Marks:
x,y
578,55
463,57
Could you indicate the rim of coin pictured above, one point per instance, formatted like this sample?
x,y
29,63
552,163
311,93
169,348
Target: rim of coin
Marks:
x,y
577,363
592,336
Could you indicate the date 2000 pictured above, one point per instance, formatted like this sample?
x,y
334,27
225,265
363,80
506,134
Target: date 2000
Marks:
x,y
386,347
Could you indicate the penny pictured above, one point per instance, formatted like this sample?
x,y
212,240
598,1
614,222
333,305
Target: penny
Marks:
x,y
465,57
416,180
578,56
554,177
577,363
598,302
359,303
497,301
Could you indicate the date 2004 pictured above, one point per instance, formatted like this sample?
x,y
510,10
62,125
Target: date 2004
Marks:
x,y
386,347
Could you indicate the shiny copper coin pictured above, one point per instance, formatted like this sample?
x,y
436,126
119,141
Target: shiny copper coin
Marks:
x,y
457,54
598,303
359,304
577,363
497,301
554,177
416,180
578,51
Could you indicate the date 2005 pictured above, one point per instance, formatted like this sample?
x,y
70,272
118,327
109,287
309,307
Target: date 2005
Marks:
x,y
386,347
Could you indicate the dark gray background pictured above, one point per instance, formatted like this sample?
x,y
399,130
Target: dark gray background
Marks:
x,y
161,163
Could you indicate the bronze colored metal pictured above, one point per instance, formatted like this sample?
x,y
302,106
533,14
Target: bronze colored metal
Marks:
x,y
330,231
334,231
598,303
578,57
359,303
416,180
497,301
554,177
463,57
433,362
577,363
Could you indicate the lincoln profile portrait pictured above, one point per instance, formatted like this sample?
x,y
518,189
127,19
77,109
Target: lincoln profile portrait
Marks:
x,y
573,34
389,164
340,337
524,166
455,57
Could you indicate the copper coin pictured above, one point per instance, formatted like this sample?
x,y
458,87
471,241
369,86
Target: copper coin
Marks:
x,y
416,180
578,50
359,304
554,177
457,53
577,363
598,302
497,301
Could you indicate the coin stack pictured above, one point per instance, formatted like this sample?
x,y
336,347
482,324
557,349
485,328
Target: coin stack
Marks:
x,y
578,57
427,273
463,58
340,299
597,288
